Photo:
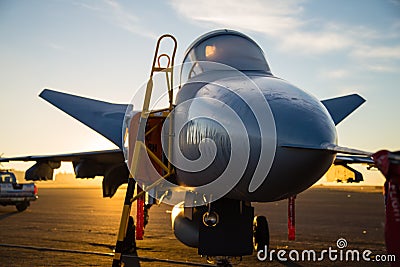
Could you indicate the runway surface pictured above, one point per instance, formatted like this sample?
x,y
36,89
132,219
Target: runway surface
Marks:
x,y
80,219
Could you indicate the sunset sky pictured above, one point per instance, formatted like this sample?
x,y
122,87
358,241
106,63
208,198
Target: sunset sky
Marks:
x,y
103,50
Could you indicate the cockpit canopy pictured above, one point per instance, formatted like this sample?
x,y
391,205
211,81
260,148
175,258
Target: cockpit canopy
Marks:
x,y
224,47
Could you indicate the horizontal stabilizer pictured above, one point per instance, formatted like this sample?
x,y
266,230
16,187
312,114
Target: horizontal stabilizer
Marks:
x,y
105,118
341,107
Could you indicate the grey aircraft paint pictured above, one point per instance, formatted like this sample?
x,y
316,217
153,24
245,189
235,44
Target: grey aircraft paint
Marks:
x,y
299,119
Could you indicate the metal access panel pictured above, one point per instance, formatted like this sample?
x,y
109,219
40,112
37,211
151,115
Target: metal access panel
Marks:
x,y
233,235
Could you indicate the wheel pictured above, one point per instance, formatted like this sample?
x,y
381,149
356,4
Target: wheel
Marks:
x,y
22,206
260,233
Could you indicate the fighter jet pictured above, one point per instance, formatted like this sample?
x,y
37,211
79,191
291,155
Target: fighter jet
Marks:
x,y
232,134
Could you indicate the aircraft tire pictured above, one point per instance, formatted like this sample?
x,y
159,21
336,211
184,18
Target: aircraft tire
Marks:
x,y
260,233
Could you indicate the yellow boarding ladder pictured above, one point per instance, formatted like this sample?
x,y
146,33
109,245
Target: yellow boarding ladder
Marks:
x,y
140,144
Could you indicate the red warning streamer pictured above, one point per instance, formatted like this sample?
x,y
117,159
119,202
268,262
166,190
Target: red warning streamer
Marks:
x,y
139,216
291,218
391,170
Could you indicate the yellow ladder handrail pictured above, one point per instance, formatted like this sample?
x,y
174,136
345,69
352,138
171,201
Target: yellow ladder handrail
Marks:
x,y
140,143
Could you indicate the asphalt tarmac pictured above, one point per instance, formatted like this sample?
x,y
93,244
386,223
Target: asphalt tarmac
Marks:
x,y
75,221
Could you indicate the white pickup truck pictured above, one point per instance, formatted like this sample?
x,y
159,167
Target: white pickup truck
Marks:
x,y
13,193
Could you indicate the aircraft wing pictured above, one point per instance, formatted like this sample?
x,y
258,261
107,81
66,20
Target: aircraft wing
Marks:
x,y
344,155
103,117
104,155
347,159
107,163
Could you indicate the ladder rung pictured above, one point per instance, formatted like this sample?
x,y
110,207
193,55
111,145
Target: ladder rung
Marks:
x,y
162,69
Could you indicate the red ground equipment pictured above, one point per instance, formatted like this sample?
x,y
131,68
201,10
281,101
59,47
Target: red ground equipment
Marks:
x,y
389,164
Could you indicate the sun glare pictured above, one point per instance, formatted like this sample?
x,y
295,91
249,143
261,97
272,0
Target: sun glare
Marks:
x,y
210,50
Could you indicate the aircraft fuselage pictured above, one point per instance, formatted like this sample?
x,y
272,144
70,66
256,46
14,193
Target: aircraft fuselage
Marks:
x,y
298,118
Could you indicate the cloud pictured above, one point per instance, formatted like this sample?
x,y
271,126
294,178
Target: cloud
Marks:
x,y
377,52
245,15
335,74
382,68
286,23
280,20
308,42
118,15
86,5
382,59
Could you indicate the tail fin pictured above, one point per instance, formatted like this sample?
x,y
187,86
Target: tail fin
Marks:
x,y
341,107
105,118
